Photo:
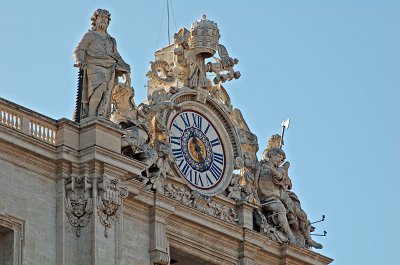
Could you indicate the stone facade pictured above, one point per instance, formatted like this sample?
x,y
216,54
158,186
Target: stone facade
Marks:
x,y
151,228
173,180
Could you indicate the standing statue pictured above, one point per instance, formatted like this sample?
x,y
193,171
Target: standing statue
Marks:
x,y
97,57
280,205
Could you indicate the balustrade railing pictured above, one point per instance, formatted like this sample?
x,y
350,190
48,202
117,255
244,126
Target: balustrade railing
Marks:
x,y
27,122
43,132
10,119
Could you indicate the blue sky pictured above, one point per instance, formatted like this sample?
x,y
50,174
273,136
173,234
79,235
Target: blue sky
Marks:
x,y
331,66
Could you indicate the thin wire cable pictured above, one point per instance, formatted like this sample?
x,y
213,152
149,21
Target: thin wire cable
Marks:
x,y
173,15
159,30
169,37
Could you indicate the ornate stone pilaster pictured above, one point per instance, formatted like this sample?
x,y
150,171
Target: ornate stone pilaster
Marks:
x,y
159,246
93,200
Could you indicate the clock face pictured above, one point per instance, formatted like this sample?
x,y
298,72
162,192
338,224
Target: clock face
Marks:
x,y
198,150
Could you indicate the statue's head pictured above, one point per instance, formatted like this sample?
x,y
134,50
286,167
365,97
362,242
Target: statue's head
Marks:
x,y
100,20
275,155
273,148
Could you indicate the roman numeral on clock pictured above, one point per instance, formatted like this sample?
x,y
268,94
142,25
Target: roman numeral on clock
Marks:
x,y
177,152
208,127
197,120
219,158
216,171
215,142
176,126
209,182
185,167
185,118
176,140
189,176
197,179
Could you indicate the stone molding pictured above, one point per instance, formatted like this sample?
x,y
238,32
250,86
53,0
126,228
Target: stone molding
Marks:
x,y
18,226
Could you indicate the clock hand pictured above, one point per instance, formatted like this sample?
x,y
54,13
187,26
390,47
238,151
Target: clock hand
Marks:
x,y
197,148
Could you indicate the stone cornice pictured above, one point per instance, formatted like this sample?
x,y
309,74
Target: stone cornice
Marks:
x,y
292,253
27,159
116,160
27,142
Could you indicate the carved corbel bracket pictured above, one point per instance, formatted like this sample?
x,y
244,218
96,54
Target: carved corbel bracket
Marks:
x,y
109,201
159,257
78,202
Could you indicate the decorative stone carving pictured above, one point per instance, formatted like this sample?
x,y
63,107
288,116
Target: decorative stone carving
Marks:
x,y
78,202
241,186
109,200
265,228
179,193
100,64
140,122
201,202
280,207
160,258
162,71
248,140
194,46
157,174
242,189
184,62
